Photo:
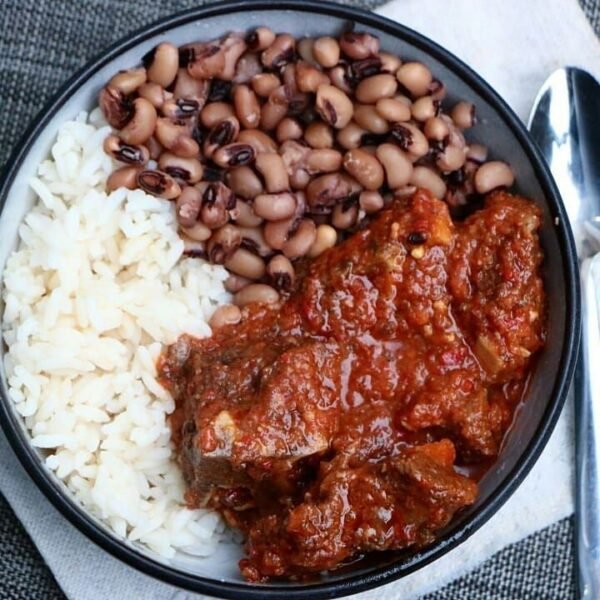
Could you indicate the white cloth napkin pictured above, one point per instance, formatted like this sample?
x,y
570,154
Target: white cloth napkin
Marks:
x,y
515,45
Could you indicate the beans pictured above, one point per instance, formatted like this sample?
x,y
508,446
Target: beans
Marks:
x,y
344,217
174,135
393,110
359,45
260,38
463,115
280,52
141,125
275,207
309,78
162,64
244,182
234,283
325,238
288,129
389,62
128,81
424,108
260,141
397,164
324,160
365,168
327,190
234,155
374,88
154,93
370,202
265,84
158,183
436,129
256,293
351,136
188,87
410,138
125,153
214,113
247,107
245,263
319,135
368,118
124,177
334,106
223,244
415,77
270,147
300,242
187,207
228,314
187,170
493,175
451,159
477,153
197,232
281,272
326,51
271,166
424,177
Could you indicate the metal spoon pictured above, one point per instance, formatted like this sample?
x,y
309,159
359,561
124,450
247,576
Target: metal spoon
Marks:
x,y
565,122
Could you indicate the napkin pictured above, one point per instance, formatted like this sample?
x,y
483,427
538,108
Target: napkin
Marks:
x,y
515,45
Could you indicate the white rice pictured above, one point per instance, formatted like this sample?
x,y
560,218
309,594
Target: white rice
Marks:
x,y
95,290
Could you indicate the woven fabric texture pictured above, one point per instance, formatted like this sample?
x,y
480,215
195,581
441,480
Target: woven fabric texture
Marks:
x,y
42,43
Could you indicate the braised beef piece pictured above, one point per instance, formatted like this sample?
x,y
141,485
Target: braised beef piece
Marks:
x,y
329,426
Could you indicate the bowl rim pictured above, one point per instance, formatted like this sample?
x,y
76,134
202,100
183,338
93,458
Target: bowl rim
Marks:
x,y
350,584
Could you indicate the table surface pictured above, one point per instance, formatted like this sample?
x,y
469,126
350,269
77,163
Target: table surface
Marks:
x,y
62,37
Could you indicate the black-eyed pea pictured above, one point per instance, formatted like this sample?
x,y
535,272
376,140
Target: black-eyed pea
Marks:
x,y
325,238
288,129
463,114
186,170
424,177
367,117
415,77
214,112
281,272
393,110
162,63
493,175
247,264
305,50
396,163
223,243
234,155
124,177
309,78
350,136
247,107
275,207
158,183
319,135
271,166
359,45
244,182
260,39
299,243
411,139
323,160
376,87
334,106
128,81
126,153
141,126
260,141
343,216
365,168
370,201
234,283
279,53
477,153
228,314
390,63
451,159
187,206
326,51
198,232
436,129
175,136
258,293
154,93
277,232
264,84
424,108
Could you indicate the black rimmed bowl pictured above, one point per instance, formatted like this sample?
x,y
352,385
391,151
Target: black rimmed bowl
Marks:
x,y
498,127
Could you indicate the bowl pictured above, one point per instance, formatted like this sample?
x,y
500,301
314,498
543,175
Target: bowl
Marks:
x,y
218,575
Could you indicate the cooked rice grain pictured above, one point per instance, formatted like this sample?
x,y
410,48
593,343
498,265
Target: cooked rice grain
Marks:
x,y
95,290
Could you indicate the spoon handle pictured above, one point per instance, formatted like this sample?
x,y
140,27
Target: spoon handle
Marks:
x,y
587,401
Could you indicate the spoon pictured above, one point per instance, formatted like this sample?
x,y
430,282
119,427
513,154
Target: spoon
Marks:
x,y
565,123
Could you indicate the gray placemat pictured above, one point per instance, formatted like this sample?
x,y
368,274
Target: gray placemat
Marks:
x,y
42,42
